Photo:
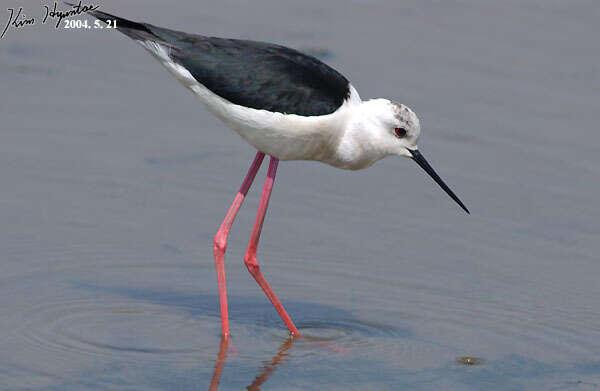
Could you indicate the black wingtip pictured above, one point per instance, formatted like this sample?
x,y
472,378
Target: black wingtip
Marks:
x,y
128,27
95,13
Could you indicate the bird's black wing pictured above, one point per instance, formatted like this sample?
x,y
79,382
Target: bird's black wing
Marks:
x,y
248,73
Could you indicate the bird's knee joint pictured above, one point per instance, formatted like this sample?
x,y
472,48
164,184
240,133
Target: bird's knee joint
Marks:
x,y
220,242
251,263
253,268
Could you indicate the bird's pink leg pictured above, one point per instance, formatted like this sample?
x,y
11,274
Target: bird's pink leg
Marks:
x,y
250,257
220,243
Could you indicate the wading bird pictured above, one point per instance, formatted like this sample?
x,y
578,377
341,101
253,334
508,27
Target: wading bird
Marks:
x,y
286,104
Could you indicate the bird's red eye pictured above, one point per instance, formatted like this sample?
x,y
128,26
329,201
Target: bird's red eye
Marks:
x,y
400,132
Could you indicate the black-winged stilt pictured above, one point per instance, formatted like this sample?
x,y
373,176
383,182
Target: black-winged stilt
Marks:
x,y
286,104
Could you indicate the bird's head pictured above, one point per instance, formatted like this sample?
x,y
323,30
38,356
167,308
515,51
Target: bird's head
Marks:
x,y
389,128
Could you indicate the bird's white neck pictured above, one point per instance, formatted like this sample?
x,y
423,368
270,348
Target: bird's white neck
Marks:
x,y
359,144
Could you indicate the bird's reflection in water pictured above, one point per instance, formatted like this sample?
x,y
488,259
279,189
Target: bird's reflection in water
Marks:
x,y
216,377
264,373
269,368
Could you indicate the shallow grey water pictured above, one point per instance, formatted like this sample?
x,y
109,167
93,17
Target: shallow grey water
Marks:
x,y
114,180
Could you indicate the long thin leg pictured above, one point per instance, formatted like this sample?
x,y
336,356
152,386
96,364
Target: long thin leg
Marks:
x,y
220,243
250,257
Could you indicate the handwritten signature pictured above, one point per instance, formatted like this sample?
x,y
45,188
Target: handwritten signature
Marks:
x,y
17,18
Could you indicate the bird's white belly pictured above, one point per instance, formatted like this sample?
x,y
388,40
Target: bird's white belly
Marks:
x,y
286,137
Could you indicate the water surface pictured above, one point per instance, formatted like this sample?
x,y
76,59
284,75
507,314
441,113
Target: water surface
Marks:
x,y
114,180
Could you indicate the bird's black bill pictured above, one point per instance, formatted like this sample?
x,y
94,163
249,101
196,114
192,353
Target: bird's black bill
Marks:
x,y
420,159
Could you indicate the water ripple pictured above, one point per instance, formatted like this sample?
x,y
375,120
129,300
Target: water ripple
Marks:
x,y
135,330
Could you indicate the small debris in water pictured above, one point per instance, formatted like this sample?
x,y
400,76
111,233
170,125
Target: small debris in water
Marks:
x,y
469,360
